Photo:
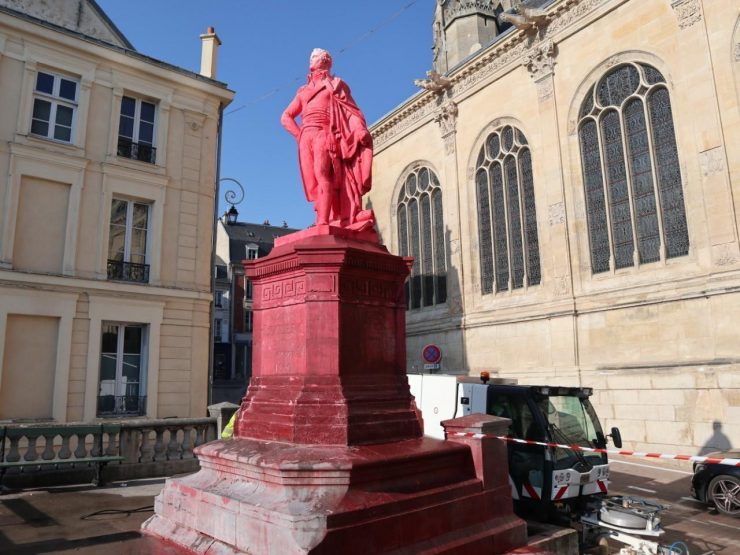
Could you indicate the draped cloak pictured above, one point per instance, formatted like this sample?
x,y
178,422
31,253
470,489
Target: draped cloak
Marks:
x,y
350,146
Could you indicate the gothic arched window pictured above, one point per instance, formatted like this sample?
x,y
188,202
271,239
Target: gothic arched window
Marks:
x,y
507,220
628,144
421,235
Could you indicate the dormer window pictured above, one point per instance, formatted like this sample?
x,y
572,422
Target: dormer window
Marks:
x,y
251,252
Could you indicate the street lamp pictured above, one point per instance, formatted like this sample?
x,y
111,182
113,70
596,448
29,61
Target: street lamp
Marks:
x,y
233,197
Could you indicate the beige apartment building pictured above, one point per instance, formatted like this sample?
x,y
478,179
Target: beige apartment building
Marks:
x,y
569,185
107,181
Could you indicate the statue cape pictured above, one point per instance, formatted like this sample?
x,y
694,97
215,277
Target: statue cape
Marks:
x,y
351,148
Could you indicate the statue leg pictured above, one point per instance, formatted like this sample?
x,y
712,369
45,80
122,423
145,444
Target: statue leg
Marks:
x,y
305,155
323,171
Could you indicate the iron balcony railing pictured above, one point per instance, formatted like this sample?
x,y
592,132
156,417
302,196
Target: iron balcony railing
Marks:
x,y
128,271
126,405
136,151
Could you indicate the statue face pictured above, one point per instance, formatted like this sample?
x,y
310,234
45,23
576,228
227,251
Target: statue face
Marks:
x,y
320,59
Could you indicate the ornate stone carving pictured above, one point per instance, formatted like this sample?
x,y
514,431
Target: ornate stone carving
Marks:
x,y
540,59
711,161
500,56
436,82
447,120
688,12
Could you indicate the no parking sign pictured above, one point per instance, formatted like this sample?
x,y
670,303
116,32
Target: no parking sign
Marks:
x,y
431,354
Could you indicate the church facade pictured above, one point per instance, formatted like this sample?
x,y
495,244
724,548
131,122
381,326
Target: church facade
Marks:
x,y
568,183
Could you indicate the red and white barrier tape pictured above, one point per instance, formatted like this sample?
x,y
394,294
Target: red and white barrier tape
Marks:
x,y
692,458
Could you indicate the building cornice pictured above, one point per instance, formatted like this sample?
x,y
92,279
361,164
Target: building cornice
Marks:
x,y
110,52
75,285
509,50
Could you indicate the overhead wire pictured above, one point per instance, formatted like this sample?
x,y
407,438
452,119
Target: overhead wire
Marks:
x,y
355,41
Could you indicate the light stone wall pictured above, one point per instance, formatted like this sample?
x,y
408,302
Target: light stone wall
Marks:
x,y
660,343
175,303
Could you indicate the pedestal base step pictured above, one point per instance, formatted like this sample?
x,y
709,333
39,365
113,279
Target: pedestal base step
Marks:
x,y
415,496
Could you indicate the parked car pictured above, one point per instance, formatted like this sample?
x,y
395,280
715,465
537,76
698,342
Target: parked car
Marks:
x,y
718,484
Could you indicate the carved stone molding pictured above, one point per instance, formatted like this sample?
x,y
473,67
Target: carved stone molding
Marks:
x,y
503,54
540,59
688,12
447,120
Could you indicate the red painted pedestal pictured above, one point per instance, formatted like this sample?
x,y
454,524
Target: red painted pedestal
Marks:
x,y
328,455
329,343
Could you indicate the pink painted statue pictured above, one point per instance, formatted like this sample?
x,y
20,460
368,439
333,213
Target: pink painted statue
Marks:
x,y
335,149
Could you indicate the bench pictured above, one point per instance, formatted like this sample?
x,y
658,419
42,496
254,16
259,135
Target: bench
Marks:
x,y
81,444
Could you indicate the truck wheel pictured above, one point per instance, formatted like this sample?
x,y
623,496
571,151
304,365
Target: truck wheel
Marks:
x,y
724,493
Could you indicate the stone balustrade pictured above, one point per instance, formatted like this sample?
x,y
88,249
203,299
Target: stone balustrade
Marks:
x,y
145,448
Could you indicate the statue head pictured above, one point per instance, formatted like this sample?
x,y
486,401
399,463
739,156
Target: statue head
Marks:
x,y
320,59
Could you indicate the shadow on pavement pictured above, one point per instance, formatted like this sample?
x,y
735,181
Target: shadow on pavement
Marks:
x,y
56,545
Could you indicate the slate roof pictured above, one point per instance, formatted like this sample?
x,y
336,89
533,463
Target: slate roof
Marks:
x,y
242,234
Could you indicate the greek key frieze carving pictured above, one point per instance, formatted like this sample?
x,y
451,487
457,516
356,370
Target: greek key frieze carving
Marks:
x,y
363,288
283,289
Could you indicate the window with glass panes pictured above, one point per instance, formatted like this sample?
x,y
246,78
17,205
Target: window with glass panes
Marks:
x,y
421,235
54,105
127,242
631,172
136,130
507,219
122,386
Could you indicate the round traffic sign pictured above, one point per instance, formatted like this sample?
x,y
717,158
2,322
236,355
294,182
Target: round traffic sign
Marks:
x,y
431,353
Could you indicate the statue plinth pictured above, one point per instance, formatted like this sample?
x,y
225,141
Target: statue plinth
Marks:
x,y
329,343
327,456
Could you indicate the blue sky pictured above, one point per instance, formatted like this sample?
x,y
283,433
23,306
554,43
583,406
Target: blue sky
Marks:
x,y
379,48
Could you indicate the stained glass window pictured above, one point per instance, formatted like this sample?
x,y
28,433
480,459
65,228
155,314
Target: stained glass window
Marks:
x,y
421,235
628,146
507,219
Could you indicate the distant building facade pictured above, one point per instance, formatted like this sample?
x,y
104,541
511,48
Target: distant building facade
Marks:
x,y
569,186
107,187
234,319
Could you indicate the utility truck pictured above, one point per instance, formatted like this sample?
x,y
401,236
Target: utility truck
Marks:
x,y
565,486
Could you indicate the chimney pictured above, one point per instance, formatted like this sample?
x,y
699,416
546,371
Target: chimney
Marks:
x,y
209,53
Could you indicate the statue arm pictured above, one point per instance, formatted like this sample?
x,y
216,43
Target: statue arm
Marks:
x,y
289,115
